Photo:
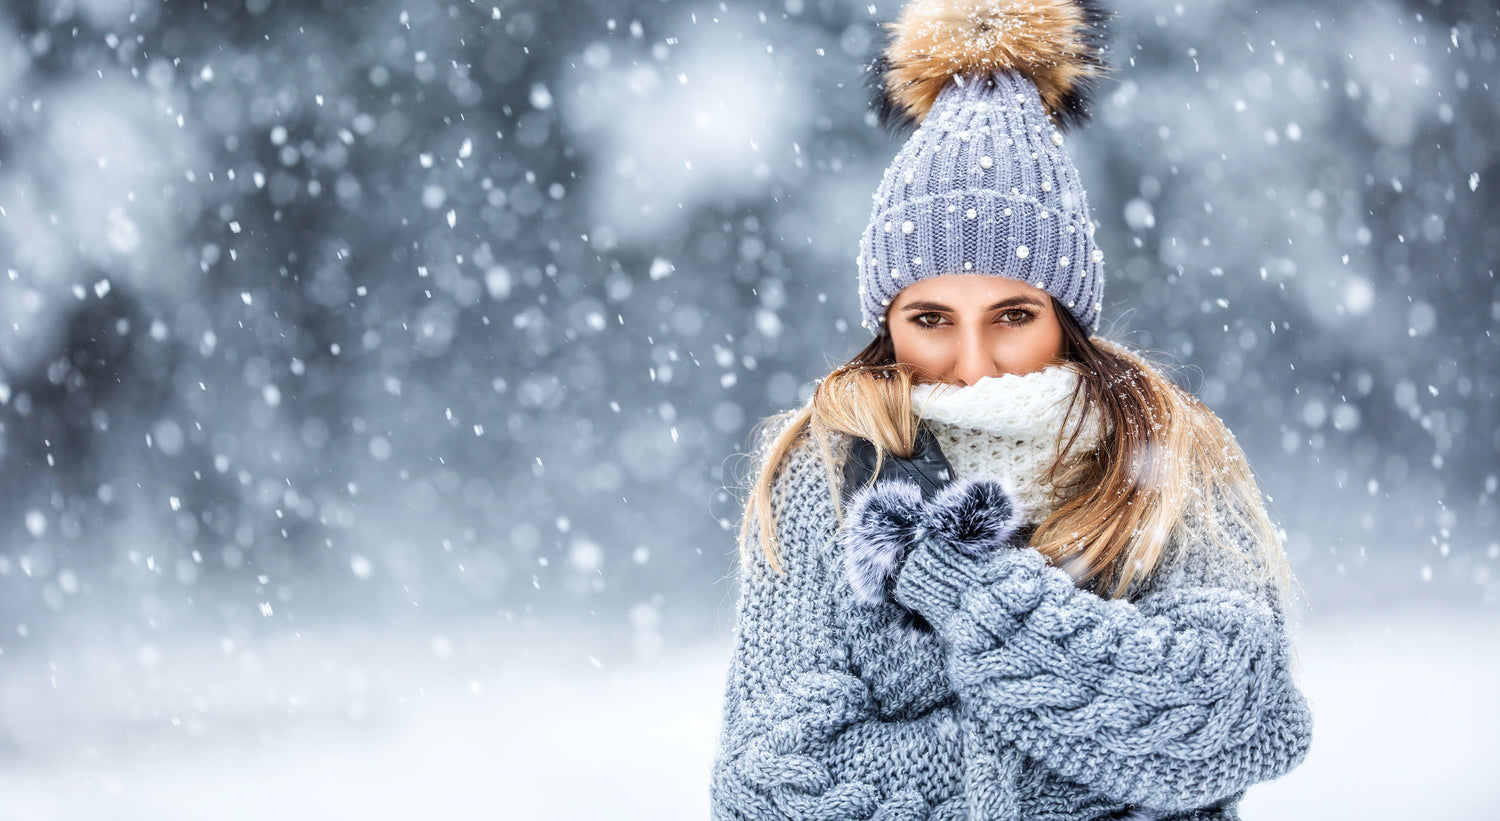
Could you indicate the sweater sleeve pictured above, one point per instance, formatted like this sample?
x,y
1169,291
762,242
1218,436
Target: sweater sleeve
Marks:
x,y
1173,702
802,737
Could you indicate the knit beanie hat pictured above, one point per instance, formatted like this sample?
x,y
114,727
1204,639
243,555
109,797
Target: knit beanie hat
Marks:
x,y
983,185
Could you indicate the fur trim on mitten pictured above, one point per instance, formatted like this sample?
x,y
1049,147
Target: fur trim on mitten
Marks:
x,y
883,521
975,516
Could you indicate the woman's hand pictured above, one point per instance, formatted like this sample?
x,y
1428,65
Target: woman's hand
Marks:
x,y
927,467
887,518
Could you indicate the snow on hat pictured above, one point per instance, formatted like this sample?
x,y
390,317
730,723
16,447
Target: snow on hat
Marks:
x,y
983,184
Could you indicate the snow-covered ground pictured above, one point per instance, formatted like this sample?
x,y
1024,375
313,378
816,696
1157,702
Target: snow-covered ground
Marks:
x,y
471,724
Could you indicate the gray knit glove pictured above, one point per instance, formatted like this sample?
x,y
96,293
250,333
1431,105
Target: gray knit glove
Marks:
x,y
886,519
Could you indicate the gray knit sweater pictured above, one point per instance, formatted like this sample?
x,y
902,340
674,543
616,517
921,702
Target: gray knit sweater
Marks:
x,y
988,686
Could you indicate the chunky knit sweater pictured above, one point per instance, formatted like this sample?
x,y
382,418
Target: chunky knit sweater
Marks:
x,y
989,686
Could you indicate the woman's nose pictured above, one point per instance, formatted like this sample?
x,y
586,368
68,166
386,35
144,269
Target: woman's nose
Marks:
x,y
973,363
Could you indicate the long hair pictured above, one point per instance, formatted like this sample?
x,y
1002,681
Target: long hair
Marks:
x,y
1166,468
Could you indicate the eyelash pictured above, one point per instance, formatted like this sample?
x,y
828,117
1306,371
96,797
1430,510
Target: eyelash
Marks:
x,y
1026,316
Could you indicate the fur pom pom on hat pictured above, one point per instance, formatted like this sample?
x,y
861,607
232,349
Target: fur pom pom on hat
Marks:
x,y
1057,44
983,185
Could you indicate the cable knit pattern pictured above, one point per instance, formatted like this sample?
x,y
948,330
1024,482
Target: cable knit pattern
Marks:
x,y
806,735
1172,702
1008,428
1030,699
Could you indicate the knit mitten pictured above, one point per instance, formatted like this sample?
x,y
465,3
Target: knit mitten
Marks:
x,y
886,519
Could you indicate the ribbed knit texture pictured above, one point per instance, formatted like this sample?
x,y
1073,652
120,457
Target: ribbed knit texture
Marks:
x,y
1028,699
983,186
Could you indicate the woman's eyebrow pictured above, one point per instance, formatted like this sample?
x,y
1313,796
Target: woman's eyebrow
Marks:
x,y
925,306
1014,301
1009,302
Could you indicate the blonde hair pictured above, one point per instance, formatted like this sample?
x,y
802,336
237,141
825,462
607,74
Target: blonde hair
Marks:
x,y
1166,471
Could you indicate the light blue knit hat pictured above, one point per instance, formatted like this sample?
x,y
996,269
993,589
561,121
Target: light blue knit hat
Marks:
x,y
984,185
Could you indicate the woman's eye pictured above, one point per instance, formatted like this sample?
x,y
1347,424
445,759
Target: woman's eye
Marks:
x,y
1015,316
928,320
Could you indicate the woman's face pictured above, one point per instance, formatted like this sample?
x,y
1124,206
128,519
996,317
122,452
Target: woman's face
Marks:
x,y
963,327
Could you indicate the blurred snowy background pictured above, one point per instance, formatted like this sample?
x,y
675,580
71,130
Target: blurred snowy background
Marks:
x,y
373,377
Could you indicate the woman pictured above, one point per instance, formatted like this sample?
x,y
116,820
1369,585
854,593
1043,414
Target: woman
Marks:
x,y
999,568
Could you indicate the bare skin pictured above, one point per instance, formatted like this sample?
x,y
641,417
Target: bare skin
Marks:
x,y
961,328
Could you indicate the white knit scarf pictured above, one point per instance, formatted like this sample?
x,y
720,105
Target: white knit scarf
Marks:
x,y
1008,428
